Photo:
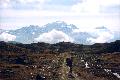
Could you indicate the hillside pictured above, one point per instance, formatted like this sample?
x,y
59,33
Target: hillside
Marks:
x,y
60,61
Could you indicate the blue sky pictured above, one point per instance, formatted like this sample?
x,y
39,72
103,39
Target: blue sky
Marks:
x,y
83,13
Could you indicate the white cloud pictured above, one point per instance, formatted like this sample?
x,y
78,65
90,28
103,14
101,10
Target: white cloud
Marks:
x,y
98,34
54,36
7,37
24,1
93,6
102,37
31,1
109,2
83,14
86,6
4,3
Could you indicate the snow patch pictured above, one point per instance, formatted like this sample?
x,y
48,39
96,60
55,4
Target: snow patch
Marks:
x,y
116,74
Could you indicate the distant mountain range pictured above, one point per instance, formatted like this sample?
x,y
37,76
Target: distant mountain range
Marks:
x,y
57,32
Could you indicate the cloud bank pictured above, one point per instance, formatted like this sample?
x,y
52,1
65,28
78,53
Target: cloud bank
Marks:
x,y
94,6
7,37
96,35
54,36
83,13
101,38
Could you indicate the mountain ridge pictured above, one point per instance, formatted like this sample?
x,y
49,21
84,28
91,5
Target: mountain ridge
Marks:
x,y
64,30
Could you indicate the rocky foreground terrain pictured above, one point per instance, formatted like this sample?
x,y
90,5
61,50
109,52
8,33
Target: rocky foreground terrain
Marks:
x,y
60,61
